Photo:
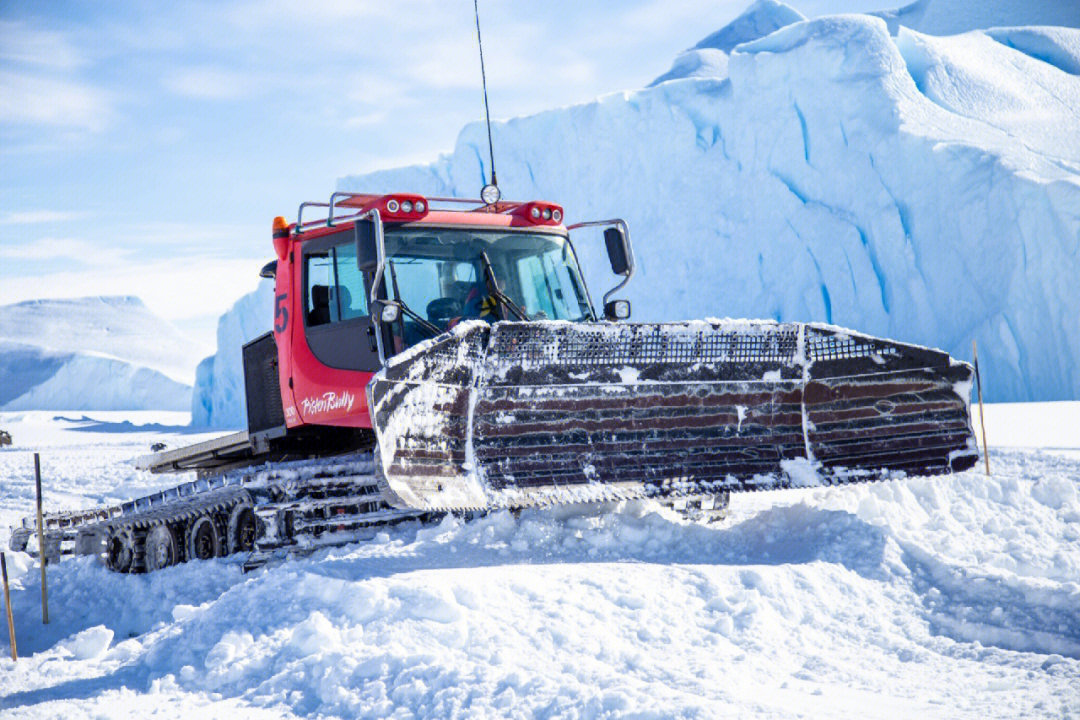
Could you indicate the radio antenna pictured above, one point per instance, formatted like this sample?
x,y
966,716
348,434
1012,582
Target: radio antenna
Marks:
x,y
490,193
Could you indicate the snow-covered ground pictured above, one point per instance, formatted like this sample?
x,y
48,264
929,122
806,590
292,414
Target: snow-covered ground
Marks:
x,y
951,597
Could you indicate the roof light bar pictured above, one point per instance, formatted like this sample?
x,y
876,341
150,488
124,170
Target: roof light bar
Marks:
x,y
540,213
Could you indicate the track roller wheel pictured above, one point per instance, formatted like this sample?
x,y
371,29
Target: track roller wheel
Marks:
x,y
242,528
120,550
161,548
203,539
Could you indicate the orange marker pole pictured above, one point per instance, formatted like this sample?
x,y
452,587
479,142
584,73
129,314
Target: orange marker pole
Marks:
x,y
7,604
982,423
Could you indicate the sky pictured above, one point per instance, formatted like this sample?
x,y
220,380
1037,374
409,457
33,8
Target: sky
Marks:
x,y
146,147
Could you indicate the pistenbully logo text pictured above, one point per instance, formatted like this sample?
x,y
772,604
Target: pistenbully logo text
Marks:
x,y
328,401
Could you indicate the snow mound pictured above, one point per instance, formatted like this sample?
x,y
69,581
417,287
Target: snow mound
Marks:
x,y
36,379
100,353
89,643
709,57
956,591
1055,46
121,328
948,17
218,397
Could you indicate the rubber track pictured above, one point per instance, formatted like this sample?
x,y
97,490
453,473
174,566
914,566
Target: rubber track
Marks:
x,y
300,506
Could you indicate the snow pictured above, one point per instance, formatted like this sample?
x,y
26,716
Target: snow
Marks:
x,y
929,597
948,17
98,353
709,58
120,328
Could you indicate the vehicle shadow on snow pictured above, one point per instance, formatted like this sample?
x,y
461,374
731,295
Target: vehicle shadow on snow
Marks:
x,y
791,535
92,425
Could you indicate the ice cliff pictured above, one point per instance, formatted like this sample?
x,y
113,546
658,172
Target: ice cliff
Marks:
x,y
920,187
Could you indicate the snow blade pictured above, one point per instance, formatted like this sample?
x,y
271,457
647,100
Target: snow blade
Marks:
x,y
517,414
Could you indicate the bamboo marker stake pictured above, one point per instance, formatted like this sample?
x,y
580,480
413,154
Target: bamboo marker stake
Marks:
x,y
41,543
7,605
982,423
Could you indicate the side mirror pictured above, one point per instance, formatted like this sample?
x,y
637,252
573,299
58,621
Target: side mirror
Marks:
x,y
618,250
367,256
617,310
269,270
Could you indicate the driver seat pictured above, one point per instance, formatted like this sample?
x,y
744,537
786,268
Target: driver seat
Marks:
x,y
441,311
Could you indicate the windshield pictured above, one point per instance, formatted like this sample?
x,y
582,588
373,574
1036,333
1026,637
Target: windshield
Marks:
x,y
441,275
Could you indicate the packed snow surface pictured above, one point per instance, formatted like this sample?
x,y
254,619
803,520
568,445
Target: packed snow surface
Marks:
x,y
949,597
97,353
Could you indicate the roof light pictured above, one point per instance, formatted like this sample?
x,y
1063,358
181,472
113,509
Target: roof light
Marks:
x,y
546,214
535,212
419,206
406,206
392,205
556,215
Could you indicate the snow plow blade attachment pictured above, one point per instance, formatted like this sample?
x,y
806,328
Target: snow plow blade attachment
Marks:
x,y
518,414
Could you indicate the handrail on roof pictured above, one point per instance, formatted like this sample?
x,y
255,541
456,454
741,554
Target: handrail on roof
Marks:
x,y
340,198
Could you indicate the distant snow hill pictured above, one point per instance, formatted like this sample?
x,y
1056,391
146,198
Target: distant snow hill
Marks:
x,y
853,169
97,353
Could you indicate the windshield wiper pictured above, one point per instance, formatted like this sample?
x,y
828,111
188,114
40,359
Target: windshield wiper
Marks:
x,y
422,322
495,292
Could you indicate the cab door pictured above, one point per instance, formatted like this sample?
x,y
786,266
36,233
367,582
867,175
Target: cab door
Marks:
x,y
337,322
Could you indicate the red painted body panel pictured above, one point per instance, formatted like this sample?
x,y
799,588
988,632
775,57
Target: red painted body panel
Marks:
x,y
311,392
318,395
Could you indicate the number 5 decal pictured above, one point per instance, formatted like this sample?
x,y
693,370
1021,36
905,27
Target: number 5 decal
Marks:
x,y
281,313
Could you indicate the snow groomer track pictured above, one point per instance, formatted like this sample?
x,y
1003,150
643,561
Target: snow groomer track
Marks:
x,y
268,511
528,413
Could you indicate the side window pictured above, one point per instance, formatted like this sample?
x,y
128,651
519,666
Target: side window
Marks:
x,y
350,297
319,280
335,287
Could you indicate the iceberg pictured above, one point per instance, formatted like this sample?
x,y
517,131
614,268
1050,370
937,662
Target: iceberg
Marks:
x,y
912,186
96,353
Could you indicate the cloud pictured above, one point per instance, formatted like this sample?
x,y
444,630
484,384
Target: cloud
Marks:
x,y
22,44
28,217
63,248
210,83
33,99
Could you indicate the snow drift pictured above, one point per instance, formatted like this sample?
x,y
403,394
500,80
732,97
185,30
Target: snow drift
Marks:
x,y
933,597
97,353
920,188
